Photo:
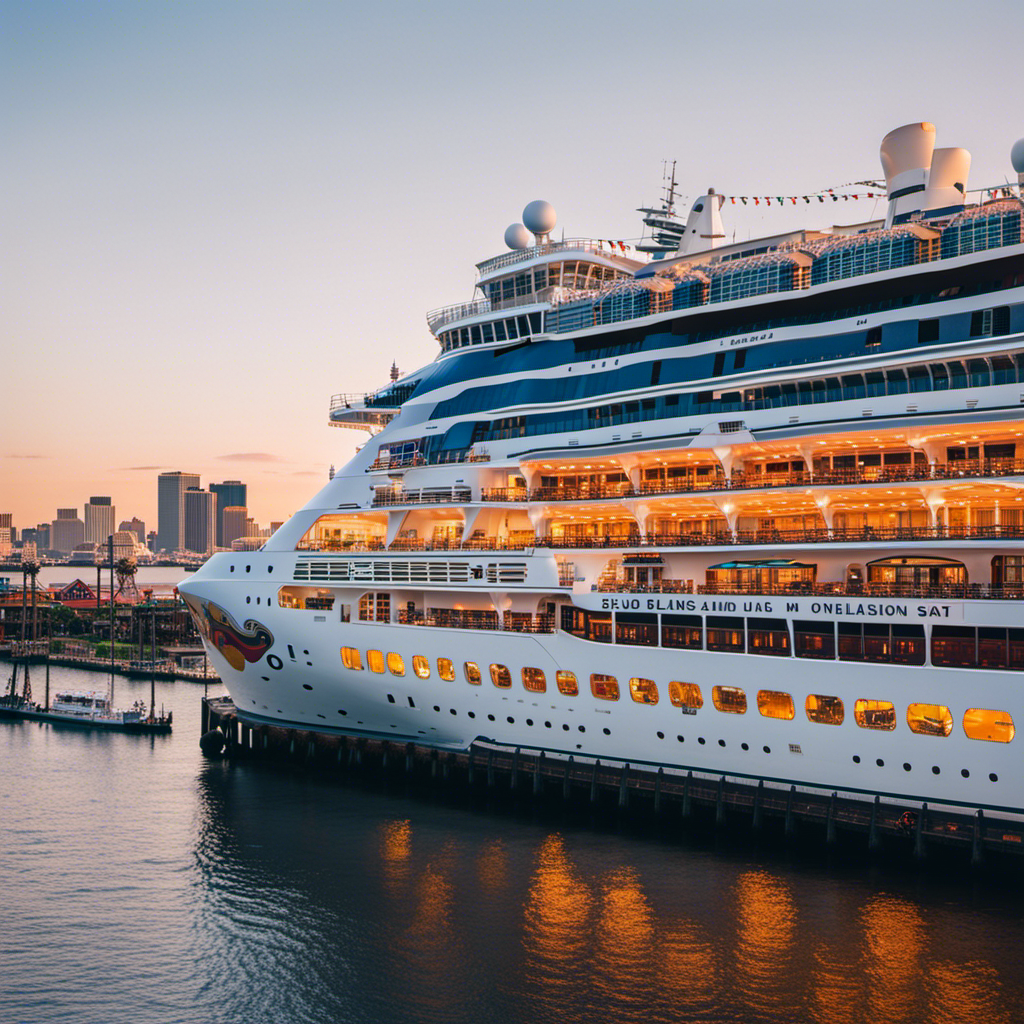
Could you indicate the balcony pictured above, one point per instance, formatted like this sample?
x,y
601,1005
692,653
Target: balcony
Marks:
x,y
463,618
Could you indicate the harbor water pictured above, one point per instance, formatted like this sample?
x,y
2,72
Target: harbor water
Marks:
x,y
141,882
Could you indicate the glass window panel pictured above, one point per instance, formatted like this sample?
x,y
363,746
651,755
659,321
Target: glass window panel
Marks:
x,y
472,672
376,661
604,687
874,714
351,659
824,710
982,724
446,669
730,699
685,695
396,664
501,676
534,681
775,704
420,666
567,684
643,691
930,719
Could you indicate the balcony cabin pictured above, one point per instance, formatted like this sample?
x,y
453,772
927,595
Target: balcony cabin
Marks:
x,y
760,576
664,477
437,529
500,529
503,485
642,571
312,598
598,526
916,574
365,531
582,486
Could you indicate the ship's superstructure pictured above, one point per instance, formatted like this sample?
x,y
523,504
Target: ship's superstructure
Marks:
x,y
753,509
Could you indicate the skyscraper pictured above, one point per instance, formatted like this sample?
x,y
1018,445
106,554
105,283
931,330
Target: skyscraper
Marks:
x,y
99,520
200,521
233,519
230,494
67,531
170,496
136,526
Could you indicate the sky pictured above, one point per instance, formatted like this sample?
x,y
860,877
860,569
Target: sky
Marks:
x,y
214,216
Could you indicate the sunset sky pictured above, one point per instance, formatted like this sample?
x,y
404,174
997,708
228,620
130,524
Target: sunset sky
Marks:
x,y
217,215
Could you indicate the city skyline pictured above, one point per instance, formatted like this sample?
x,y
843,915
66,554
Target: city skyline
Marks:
x,y
211,226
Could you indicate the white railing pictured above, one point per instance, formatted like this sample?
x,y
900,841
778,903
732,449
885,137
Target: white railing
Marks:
x,y
437,318
593,245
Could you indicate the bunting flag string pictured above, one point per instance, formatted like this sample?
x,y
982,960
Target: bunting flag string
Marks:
x,y
821,197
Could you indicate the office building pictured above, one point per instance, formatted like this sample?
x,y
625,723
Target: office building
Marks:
x,y
230,494
136,526
171,489
67,531
99,520
233,520
200,521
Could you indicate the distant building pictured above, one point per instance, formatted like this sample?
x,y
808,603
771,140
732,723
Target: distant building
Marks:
x,y
67,531
28,550
76,594
247,544
5,542
233,520
99,520
252,528
230,494
88,553
136,526
42,536
127,545
7,523
170,500
151,540
200,521
274,527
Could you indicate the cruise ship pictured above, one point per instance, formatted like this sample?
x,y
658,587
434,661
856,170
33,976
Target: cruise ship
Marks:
x,y
750,509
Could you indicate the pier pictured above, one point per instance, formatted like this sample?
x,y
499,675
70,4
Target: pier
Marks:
x,y
641,791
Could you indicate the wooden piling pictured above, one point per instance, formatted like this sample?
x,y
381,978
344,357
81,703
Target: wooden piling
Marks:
x,y
720,802
830,820
790,826
874,841
685,810
919,850
536,773
755,821
657,790
515,770
624,788
593,783
977,853
566,782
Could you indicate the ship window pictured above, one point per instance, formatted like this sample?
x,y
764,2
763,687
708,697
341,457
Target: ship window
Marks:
x,y
446,670
643,691
954,646
641,630
685,695
501,676
768,636
604,687
682,631
775,704
420,666
874,714
824,710
567,684
930,719
534,681
351,659
927,332
814,639
396,665
376,661
982,724
730,699
725,634
472,671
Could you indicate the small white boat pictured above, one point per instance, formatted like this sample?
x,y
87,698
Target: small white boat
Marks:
x,y
90,707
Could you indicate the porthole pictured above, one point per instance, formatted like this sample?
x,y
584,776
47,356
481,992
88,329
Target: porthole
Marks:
x,y
391,699
472,714
582,728
965,773
306,686
344,714
935,769
680,738
565,728
880,762
767,750
510,720
452,711
248,567
744,746
993,777
529,721
248,600
270,568
856,758
906,766
547,725
721,743
700,740
437,707
608,732
661,735
490,718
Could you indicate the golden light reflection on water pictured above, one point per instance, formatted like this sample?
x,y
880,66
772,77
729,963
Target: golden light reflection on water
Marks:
x,y
836,988
625,937
556,923
492,865
971,991
766,921
685,957
894,935
395,847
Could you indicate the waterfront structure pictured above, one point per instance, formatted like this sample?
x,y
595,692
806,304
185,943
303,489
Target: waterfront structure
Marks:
x,y
67,531
171,489
750,510
230,494
233,525
200,521
6,545
99,520
136,526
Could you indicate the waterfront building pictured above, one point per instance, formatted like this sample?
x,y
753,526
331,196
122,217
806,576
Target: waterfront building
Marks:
x,y
233,522
752,510
67,531
136,526
128,545
200,521
171,489
7,523
42,536
6,545
230,494
99,520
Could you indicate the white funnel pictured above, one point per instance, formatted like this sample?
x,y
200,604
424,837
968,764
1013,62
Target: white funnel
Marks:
x,y
704,228
947,181
906,155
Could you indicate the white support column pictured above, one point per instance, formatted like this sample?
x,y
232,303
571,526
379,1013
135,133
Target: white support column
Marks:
x,y
824,505
640,511
808,456
996,521
502,603
630,465
729,510
395,521
725,456
539,520
934,499
469,523
935,451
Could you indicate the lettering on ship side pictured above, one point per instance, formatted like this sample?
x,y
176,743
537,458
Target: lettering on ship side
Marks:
x,y
841,609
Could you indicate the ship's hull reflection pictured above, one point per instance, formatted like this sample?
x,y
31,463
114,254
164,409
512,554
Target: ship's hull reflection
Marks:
x,y
326,902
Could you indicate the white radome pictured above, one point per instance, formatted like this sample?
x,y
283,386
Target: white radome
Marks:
x,y
1017,156
539,216
518,237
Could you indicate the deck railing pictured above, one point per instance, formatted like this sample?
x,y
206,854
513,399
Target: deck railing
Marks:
x,y
994,591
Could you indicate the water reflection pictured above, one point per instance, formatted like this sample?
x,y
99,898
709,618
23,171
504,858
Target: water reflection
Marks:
x,y
765,925
894,935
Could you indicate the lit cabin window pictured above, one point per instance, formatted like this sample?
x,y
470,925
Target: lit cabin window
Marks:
x,y
775,704
350,659
995,726
420,666
930,719
730,699
685,695
567,684
395,664
314,598
874,714
376,661
824,710
472,671
446,670
534,681
501,677
604,687
643,691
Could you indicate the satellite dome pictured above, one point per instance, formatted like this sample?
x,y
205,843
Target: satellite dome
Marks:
x,y
517,237
1017,156
539,216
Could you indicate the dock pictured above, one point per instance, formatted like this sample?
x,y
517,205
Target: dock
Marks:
x,y
637,790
